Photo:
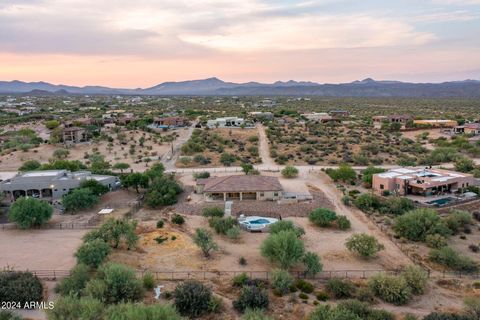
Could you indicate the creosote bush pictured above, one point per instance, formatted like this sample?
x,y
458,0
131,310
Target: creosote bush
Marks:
x,y
364,245
251,297
339,288
192,298
281,281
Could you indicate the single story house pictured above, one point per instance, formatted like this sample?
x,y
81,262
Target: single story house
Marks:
x,y
227,122
244,187
422,182
170,122
50,184
438,123
378,121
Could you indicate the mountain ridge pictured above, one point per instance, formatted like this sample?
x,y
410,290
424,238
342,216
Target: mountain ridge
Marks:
x,y
214,86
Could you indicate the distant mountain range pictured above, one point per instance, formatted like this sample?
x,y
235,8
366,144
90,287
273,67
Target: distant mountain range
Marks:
x,y
216,87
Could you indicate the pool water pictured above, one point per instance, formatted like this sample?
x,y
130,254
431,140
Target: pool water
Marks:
x,y
259,221
441,202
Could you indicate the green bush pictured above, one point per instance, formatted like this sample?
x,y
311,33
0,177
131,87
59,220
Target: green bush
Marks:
x,y
304,286
322,217
115,283
148,281
281,281
95,187
213,212
282,225
343,223
160,223
327,312
178,219
114,231
204,240
250,314
343,173
192,298
92,253
131,311
79,199
234,233
20,287
240,280
290,172
450,258
303,296
283,248
458,220
364,245
365,294
163,191
322,296
446,316
391,289
70,307
222,225
29,212
251,297
435,241
8,315
415,225
416,279
74,284
340,289
312,263
367,202
215,305
396,206
364,311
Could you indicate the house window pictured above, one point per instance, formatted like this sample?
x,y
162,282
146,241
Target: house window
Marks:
x,y
262,194
382,187
275,194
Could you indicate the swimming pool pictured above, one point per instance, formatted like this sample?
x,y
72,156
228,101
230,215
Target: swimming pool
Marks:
x,y
255,223
441,202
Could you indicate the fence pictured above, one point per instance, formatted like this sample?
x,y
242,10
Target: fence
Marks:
x,y
59,226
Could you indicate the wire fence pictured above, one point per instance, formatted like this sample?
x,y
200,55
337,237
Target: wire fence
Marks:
x,y
58,226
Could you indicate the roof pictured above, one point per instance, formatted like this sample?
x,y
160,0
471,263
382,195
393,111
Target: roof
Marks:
x,y
243,183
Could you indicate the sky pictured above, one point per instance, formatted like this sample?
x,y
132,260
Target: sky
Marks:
x,y
140,43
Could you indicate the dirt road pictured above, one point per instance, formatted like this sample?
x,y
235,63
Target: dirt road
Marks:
x,y
264,148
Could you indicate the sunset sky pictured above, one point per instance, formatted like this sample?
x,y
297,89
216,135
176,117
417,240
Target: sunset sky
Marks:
x,y
140,43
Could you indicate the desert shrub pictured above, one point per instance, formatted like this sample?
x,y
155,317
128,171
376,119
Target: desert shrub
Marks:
x,y
396,206
343,173
391,289
340,289
322,296
240,280
283,248
322,217
363,245
435,241
367,202
79,199
74,308
290,172
215,305
30,165
234,233
312,263
365,294
416,279
75,282
242,261
251,297
303,296
94,186
343,223
148,281
364,311
163,191
204,240
281,281
129,311
327,312
304,286
415,225
160,223
201,175
458,220
474,248
178,219
192,298
286,225
93,253
115,283
250,314
222,225
28,212
450,258
114,231
20,287
213,212
8,315
446,316
472,307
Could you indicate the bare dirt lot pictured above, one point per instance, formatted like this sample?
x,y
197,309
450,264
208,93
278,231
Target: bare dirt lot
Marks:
x,y
39,249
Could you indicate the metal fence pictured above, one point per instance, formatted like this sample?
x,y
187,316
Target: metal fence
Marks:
x,y
58,226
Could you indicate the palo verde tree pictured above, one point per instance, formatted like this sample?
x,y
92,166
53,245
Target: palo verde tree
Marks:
x,y
283,248
29,212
